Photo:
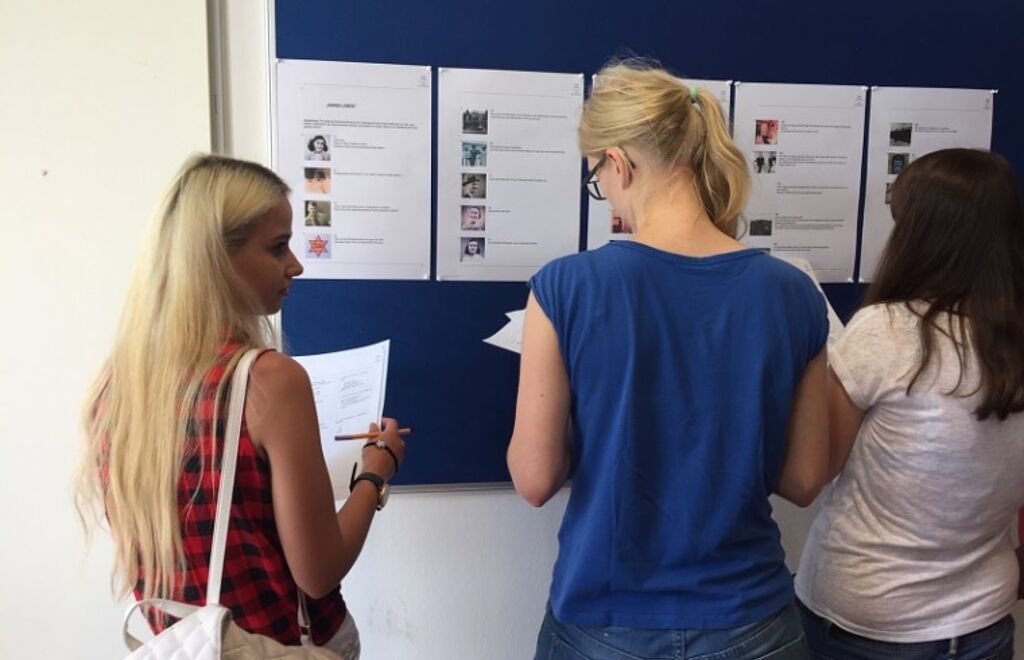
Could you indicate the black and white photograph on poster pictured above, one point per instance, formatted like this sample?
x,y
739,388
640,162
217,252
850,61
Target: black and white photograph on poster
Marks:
x,y
766,131
508,165
475,122
620,225
318,146
471,250
317,180
760,227
318,213
474,154
474,185
353,141
474,218
900,134
805,147
907,123
896,163
764,162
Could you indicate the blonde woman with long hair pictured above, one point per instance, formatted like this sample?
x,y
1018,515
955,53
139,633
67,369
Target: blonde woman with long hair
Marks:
x,y
217,264
678,379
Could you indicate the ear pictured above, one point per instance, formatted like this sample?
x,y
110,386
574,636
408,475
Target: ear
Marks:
x,y
623,172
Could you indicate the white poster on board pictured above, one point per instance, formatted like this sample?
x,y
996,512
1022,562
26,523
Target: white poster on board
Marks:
x,y
353,142
508,196
906,123
804,145
603,225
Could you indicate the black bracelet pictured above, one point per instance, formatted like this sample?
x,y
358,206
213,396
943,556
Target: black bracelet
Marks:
x,y
380,444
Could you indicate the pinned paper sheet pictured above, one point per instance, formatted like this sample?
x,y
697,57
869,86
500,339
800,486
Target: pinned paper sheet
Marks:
x,y
510,337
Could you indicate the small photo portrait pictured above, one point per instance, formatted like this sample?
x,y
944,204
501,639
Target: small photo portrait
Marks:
x,y
766,131
474,154
761,227
897,162
474,218
474,186
764,162
318,180
899,134
888,192
317,213
474,121
620,225
318,146
471,249
318,246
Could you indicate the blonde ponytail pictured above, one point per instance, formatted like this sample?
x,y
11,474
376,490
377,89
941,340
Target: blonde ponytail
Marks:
x,y
636,102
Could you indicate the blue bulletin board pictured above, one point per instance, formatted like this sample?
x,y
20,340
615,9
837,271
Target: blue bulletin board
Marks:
x,y
458,393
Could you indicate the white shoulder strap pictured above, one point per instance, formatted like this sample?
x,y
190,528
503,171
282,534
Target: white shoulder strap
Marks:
x,y
229,459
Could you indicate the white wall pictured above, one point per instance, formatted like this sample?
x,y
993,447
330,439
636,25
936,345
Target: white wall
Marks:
x,y
102,101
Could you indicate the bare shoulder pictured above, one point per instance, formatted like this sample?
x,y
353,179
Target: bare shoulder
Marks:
x,y
276,373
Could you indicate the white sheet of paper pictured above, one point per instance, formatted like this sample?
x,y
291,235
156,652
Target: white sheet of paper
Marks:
x,y
804,146
348,390
508,170
361,206
907,123
835,326
602,225
510,337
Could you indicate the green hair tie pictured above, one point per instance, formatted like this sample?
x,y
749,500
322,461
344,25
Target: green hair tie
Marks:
x,y
694,94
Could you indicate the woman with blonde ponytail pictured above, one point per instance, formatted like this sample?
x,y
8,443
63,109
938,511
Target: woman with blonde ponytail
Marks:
x,y
678,379
217,264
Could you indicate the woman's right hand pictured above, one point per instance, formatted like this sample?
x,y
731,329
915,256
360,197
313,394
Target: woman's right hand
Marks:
x,y
380,461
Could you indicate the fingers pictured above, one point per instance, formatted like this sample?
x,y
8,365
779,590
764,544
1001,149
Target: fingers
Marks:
x,y
384,461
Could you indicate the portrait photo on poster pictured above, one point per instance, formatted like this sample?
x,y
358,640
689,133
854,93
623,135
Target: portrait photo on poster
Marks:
x,y
471,250
317,146
317,180
766,131
474,218
317,213
474,186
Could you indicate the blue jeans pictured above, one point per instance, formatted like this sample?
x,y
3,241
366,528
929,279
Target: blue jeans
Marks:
x,y
830,642
778,637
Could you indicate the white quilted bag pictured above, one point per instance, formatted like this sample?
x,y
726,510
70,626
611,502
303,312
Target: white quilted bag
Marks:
x,y
208,633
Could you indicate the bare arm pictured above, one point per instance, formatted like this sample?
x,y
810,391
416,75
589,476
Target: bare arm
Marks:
x,y
844,422
539,455
320,545
807,449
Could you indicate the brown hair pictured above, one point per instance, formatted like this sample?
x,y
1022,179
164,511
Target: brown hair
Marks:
x,y
957,248
635,101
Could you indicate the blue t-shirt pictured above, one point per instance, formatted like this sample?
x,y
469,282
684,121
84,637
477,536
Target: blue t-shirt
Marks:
x,y
683,371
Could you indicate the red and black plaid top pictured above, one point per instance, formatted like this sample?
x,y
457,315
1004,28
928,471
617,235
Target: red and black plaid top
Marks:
x,y
257,585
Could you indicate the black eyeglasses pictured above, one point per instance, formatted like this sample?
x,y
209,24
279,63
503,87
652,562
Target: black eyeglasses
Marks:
x,y
590,181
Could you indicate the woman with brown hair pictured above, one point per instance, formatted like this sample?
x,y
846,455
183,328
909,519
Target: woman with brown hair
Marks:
x,y
911,555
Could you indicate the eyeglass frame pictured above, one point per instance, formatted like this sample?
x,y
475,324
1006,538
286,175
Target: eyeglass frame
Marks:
x,y
590,181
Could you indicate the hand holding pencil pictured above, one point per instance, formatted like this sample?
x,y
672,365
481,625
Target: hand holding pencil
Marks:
x,y
384,451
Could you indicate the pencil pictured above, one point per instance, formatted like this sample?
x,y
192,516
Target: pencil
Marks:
x,y
369,435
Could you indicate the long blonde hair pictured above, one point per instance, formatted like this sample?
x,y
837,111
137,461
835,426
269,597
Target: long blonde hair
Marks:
x,y
635,102
184,303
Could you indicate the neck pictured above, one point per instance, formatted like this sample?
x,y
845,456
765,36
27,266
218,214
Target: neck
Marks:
x,y
674,220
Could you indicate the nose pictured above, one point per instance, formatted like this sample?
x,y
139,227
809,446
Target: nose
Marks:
x,y
294,268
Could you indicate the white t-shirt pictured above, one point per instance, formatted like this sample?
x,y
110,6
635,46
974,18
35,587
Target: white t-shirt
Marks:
x,y
913,540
